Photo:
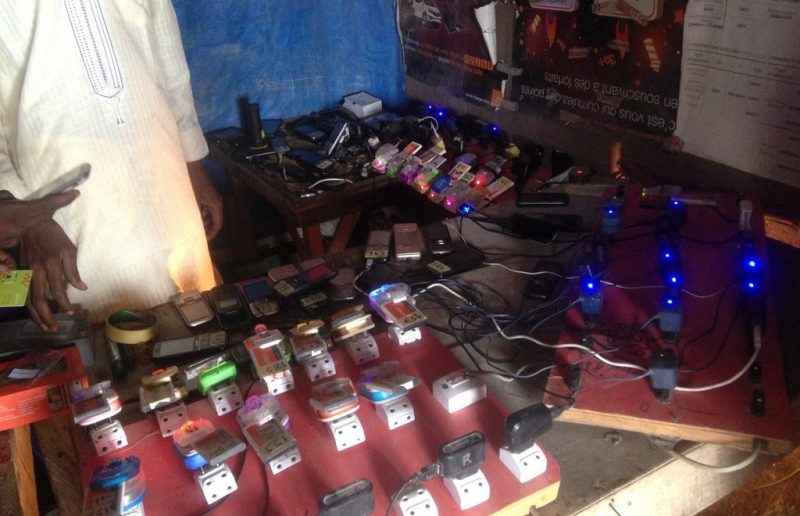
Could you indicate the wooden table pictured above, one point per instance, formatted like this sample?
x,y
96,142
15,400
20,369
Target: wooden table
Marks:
x,y
302,216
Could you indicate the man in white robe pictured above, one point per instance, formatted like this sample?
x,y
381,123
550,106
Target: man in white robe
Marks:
x,y
106,82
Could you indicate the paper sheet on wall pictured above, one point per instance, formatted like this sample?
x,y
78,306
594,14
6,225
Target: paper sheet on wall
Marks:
x,y
740,85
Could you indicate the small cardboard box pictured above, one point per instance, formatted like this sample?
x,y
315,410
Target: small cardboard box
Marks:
x,y
362,104
37,387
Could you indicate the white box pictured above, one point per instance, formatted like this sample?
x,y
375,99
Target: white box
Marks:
x,y
362,104
458,390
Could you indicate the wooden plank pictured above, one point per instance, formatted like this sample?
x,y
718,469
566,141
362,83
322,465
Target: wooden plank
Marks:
x,y
713,343
782,230
57,439
17,478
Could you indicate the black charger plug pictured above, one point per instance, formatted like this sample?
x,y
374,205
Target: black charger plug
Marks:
x,y
462,456
525,425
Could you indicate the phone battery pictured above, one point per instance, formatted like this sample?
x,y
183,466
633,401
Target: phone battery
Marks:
x,y
269,440
219,446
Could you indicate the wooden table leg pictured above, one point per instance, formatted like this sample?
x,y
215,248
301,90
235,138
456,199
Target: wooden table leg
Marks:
x,y
240,209
17,479
312,235
58,441
343,231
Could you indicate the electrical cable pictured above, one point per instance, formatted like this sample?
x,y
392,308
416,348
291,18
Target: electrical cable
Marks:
x,y
526,273
329,180
758,445
423,474
739,374
580,347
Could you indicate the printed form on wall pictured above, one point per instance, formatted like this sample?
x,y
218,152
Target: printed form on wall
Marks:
x,y
740,85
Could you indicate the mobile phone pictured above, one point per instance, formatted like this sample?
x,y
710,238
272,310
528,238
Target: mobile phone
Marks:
x,y
190,346
338,134
439,240
467,258
193,307
71,179
543,286
312,160
228,305
260,297
542,199
309,132
378,245
406,242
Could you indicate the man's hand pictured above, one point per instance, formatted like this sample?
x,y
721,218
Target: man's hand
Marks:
x,y
208,199
17,217
7,263
53,258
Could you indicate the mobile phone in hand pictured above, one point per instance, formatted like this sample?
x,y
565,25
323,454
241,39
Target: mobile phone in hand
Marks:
x,y
71,179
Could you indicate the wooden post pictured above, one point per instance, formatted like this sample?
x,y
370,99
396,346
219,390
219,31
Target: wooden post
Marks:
x,y
17,479
58,441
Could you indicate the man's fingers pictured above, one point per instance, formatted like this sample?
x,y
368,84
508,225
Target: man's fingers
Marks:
x,y
37,303
46,206
58,286
69,260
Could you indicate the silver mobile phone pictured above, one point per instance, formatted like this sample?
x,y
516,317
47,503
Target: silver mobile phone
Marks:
x,y
407,242
193,307
63,183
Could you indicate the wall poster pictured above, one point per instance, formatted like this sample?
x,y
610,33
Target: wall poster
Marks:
x,y
612,61
742,59
452,44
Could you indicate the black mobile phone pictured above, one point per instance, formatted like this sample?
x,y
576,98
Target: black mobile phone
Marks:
x,y
542,199
228,306
185,347
311,159
466,258
309,132
439,240
543,286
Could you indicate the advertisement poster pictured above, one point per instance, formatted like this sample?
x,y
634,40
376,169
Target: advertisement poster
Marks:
x,y
616,62
452,44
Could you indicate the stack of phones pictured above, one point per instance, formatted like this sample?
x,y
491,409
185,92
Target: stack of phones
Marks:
x,y
294,278
408,243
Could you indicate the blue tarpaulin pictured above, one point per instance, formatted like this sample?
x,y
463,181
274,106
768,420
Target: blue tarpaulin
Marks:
x,y
291,56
